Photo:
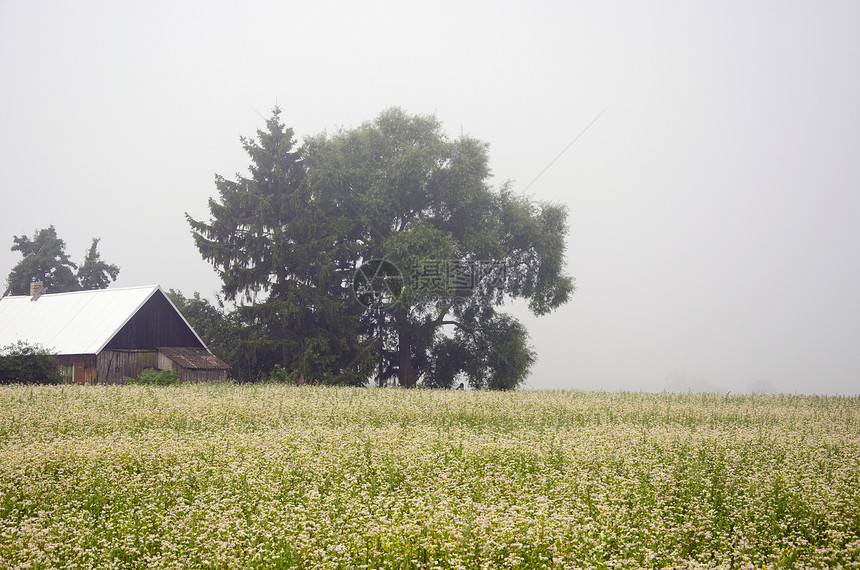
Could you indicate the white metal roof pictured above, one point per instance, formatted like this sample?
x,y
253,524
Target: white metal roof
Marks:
x,y
82,322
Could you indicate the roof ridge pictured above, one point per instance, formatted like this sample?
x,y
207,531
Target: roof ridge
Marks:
x,y
87,291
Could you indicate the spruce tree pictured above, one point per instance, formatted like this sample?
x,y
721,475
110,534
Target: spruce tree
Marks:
x,y
279,257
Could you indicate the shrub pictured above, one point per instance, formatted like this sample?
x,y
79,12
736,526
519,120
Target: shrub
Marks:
x,y
152,377
281,375
28,364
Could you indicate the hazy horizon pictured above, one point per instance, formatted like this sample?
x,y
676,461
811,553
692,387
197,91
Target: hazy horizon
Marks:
x,y
712,207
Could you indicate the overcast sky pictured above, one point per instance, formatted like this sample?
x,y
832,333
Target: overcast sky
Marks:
x,y
713,207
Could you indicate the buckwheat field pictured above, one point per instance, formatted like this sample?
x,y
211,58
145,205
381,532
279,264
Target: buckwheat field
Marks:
x,y
271,476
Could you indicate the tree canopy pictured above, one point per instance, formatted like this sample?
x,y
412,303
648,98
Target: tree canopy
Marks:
x,y
95,273
216,326
45,260
291,240
271,244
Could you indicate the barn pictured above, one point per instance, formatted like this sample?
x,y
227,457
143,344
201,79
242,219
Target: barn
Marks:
x,y
102,336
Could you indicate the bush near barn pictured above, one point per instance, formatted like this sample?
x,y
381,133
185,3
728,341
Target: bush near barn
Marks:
x,y
22,363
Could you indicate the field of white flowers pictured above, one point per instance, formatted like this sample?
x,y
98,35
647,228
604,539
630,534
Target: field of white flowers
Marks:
x,y
270,476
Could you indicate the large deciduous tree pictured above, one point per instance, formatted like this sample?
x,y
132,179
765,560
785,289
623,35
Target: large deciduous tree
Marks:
x,y
408,194
45,260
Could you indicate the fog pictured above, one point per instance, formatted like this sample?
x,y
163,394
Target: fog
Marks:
x,y
713,205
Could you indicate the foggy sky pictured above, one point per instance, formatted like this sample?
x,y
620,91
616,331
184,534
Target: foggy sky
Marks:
x,y
713,206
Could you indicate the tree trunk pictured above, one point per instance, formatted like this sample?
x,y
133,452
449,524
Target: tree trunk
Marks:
x,y
405,372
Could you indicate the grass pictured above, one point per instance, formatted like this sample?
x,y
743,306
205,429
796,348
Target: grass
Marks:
x,y
270,476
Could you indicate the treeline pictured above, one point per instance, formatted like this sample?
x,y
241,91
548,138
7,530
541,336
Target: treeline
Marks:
x,y
375,254
379,254
44,259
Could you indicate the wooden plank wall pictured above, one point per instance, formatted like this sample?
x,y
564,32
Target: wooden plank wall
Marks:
x,y
115,365
82,367
202,375
190,374
155,324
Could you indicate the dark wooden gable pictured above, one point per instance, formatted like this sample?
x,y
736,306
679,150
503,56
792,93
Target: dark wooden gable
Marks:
x,y
155,324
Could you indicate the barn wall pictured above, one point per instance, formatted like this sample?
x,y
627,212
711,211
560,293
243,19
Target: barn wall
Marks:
x,y
191,374
79,368
165,363
155,324
202,375
115,365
